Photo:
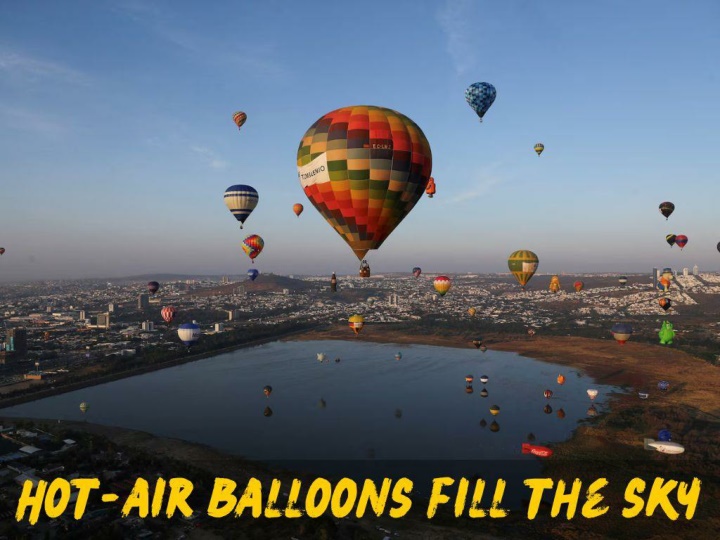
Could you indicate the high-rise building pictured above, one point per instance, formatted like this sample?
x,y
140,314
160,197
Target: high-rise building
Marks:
x,y
82,316
15,345
696,270
103,320
333,283
143,301
111,307
686,272
231,314
219,327
148,326
393,299
655,277
240,290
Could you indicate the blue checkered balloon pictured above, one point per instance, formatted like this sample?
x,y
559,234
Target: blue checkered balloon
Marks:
x,y
480,96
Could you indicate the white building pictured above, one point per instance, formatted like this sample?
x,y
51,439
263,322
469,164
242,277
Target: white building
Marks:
x,y
686,272
148,326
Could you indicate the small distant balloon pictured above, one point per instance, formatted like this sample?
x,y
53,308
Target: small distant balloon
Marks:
x,y
398,356
480,96
592,411
592,394
670,239
622,332
189,334
298,209
239,118
267,391
664,435
561,379
547,409
548,394
539,147
579,285
267,412
168,313
484,393
494,427
469,379
252,246
665,303
356,323
84,406
253,274
681,240
494,410
430,189
663,386
472,311
153,287
484,379
667,208
622,280
560,414
2,250
417,270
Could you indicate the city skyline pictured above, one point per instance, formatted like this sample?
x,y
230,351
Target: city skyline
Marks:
x,y
120,114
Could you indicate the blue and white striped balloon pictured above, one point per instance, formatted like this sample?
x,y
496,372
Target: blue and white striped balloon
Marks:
x,y
189,333
241,200
480,96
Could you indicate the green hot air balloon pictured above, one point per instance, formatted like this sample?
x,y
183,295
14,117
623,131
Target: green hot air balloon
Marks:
x,y
523,264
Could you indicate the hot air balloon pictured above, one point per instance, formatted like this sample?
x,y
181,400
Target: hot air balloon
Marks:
x,y
494,427
484,393
333,282
241,200
364,269
681,240
667,208
666,333
561,379
477,342
469,379
480,96
539,147
267,391
189,333
168,313
592,411
430,189
547,409
483,423
663,284
667,273
548,394
239,118
84,406
622,332
153,287
483,348
494,410
252,246
337,360
417,271
398,356
665,303
469,389
554,284
670,239
718,248
484,379
376,158
622,280
298,209
2,250
578,286
356,323
561,414
253,274
523,265
268,412
592,393
663,386
442,285
531,332
398,413
664,435
321,357
322,403
472,311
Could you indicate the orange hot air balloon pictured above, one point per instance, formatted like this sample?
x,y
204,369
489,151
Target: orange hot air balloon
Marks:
x,y
561,379
298,209
430,189
239,118
579,285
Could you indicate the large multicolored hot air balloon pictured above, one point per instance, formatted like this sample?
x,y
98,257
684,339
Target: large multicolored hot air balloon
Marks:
x,y
241,200
430,189
239,118
670,239
681,240
523,264
622,332
153,287
442,285
364,168
480,96
665,303
253,274
667,208
539,147
356,323
579,285
298,209
417,270
252,246
663,284
189,334
168,313
554,284
667,273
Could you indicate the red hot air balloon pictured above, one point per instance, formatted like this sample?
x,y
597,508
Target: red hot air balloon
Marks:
x,y
681,240
168,313
2,250
548,394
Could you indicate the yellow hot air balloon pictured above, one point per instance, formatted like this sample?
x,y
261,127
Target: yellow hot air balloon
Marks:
x,y
356,323
523,265
554,284
472,311
364,168
539,147
494,410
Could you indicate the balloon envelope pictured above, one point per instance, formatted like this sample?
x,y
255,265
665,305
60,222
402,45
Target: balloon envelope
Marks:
x,y
168,313
670,239
253,274
681,240
253,245
622,332
364,168
189,333
442,285
667,208
417,270
153,287
480,96
579,285
239,118
523,264
2,250
241,200
356,323
539,147
298,209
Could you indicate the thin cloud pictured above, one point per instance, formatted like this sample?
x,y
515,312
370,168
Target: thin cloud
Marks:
x,y
455,20
210,157
24,68
31,121
480,188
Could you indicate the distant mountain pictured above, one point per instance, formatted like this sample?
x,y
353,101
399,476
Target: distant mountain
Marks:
x,y
263,283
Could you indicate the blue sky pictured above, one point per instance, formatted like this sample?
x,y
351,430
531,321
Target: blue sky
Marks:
x,y
116,138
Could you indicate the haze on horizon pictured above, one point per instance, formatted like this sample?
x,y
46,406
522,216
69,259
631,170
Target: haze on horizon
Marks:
x,y
116,138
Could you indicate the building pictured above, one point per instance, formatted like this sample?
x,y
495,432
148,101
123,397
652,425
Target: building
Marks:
x,y
240,290
111,307
393,299
686,272
655,277
219,327
231,314
15,345
103,320
143,301
696,270
148,326
83,315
